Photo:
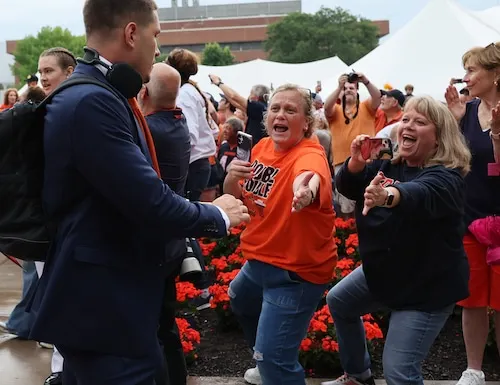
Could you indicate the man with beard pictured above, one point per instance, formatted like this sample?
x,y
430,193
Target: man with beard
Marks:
x,y
349,119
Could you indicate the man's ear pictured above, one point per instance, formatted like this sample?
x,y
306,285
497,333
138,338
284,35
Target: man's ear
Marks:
x,y
143,93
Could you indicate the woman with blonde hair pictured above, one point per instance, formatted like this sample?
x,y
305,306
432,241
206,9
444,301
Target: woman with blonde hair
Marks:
x,y
409,214
482,75
10,98
288,243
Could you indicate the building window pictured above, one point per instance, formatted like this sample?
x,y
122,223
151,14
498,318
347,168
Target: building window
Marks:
x,y
235,46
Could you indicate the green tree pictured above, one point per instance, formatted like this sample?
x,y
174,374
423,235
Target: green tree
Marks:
x,y
161,58
301,37
29,49
215,55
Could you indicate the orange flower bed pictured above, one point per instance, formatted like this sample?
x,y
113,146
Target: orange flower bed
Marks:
x,y
190,339
320,346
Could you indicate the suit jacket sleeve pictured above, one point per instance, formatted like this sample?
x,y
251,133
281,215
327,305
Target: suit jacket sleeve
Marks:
x,y
107,156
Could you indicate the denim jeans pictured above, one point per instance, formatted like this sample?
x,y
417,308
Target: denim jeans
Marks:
x,y
410,336
20,321
274,307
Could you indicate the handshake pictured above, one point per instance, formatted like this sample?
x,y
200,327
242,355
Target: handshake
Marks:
x,y
234,208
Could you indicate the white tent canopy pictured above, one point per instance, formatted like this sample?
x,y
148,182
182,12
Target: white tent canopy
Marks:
x,y
426,52
242,77
490,16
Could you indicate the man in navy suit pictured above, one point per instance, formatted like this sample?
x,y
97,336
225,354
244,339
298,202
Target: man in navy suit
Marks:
x,y
99,299
173,148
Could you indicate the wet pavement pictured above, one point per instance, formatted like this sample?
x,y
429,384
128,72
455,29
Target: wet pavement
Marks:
x,y
24,363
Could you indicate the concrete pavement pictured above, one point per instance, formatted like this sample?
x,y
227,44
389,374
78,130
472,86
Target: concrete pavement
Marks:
x,y
24,363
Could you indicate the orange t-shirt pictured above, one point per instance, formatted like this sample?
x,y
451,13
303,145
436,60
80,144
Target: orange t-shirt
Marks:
x,y
301,242
343,134
381,120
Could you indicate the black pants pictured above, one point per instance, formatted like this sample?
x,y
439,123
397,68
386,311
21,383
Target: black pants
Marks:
x,y
197,179
168,334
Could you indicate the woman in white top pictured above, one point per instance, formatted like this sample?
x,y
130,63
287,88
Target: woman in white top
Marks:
x,y
195,108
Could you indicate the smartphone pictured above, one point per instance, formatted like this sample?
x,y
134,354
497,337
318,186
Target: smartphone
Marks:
x,y
318,83
456,81
377,148
244,149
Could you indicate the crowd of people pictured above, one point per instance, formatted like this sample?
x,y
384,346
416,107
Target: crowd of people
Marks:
x,y
135,176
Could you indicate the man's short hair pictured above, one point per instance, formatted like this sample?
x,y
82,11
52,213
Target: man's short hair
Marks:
x,y
107,15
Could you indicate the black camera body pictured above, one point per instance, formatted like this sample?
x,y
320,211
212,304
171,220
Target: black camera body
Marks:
x,y
352,77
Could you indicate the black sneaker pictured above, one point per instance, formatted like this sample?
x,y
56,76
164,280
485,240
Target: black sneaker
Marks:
x,y
54,379
201,303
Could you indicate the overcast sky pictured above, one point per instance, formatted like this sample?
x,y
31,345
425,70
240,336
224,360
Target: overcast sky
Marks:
x,y
19,18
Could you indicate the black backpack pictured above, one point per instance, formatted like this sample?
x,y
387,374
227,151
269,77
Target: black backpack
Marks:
x,y
25,232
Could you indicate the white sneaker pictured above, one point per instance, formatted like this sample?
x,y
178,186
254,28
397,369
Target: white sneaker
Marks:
x,y
5,329
472,377
252,376
348,380
45,345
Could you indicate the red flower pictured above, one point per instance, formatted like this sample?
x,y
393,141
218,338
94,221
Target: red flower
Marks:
x,y
306,344
185,291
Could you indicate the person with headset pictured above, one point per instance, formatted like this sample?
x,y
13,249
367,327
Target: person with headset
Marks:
x,y
100,296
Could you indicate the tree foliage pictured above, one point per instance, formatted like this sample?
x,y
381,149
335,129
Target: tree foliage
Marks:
x,y
161,58
29,49
301,37
215,55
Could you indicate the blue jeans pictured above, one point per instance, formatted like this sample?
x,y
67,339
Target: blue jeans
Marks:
x,y
274,307
410,336
20,321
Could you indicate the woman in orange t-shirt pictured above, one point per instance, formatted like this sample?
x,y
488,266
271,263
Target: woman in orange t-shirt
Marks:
x,y
289,240
10,98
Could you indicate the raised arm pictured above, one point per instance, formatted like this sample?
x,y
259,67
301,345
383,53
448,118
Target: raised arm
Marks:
x,y
231,95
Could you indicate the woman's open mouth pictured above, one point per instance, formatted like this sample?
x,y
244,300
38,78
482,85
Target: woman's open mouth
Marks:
x,y
408,141
280,128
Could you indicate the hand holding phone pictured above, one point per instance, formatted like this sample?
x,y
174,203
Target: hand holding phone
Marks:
x,y
376,148
244,148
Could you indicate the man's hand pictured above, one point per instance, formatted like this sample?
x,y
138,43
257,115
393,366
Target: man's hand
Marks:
x,y
342,81
303,195
214,79
362,78
236,211
375,194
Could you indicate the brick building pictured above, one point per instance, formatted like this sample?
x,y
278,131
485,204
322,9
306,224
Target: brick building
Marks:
x,y
242,27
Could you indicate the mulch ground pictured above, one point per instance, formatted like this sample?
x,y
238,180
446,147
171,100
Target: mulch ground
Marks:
x,y
224,353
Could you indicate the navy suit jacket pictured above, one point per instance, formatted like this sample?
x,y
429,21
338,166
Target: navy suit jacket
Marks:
x,y
102,287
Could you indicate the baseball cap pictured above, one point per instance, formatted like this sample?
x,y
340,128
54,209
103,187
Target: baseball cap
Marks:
x,y
396,94
31,78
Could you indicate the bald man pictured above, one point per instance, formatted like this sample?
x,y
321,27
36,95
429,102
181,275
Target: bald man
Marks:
x,y
171,137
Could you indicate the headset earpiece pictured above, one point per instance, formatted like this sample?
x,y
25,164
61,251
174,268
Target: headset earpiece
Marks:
x,y
120,75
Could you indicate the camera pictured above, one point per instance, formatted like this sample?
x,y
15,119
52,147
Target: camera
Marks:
x,y
190,267
352,77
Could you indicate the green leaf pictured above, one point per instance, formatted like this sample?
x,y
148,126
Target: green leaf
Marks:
x,y
29,49
301,37
215,55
